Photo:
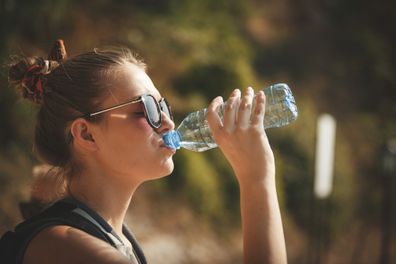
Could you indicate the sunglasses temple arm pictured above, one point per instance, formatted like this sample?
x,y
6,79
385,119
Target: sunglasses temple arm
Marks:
x,y
113,107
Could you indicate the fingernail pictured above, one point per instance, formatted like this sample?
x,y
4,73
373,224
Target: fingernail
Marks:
x,y
250,89
260,95
236,92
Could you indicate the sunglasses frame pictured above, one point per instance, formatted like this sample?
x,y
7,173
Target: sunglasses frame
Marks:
x,y
143,99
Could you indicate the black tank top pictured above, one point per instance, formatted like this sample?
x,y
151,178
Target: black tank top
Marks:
x,y
70,212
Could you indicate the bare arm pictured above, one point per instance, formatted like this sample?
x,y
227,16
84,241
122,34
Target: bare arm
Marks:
x,y
64,244
241,137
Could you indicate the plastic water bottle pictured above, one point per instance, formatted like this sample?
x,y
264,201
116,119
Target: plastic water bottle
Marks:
x,y
194,133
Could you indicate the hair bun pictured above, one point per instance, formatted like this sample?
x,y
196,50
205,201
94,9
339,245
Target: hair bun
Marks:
x,y
28,74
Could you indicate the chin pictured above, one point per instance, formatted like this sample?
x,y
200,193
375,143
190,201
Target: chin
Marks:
x,y
165,169
168,169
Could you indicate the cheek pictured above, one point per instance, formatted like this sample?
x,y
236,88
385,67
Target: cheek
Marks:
x,y
142,124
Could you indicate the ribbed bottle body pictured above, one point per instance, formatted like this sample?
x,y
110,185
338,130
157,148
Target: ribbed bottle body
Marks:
x,y
194,132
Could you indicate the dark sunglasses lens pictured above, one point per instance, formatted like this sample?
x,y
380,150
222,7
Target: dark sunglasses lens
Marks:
x,y
152,111
166,108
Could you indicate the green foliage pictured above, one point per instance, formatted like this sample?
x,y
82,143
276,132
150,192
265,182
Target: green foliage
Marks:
x,y
207,80
199,182
15,171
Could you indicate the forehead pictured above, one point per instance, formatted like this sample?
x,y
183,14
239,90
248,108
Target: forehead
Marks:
x,y
132,82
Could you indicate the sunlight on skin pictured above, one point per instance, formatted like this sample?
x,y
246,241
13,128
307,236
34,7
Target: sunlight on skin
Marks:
x,y
85,248
122,116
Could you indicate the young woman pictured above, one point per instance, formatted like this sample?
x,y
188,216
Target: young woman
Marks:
x,y
100,124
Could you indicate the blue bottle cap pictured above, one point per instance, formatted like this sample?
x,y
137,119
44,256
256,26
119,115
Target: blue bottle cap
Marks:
x,y
172,139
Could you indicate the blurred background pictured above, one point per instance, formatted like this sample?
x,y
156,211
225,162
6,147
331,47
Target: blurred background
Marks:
x,y
337,56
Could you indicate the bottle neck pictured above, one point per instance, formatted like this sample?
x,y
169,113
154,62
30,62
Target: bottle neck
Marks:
x,y
172,139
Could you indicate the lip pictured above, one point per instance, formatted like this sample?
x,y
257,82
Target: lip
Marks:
x,y
162,145
171,150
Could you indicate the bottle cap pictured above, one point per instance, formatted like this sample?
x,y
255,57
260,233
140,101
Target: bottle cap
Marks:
x,y
172,139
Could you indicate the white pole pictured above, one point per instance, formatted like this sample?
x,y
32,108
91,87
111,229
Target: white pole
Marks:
x,y
326,131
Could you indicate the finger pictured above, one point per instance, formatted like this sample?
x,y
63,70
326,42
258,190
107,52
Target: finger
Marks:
x,y
230,110
214,120
245,108
259,110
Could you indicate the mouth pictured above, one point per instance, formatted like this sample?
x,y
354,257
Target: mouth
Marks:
x,y
162,145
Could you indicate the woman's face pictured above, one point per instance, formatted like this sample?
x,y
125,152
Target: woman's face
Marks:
x,y
128,146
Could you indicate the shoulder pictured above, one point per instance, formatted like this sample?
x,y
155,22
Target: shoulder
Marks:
x,y
65,244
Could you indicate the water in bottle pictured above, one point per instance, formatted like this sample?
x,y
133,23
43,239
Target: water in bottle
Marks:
x,y
194,133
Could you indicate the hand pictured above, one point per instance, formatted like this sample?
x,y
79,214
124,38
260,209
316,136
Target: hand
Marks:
x,y
241,135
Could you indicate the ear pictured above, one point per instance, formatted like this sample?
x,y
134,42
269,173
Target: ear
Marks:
x,y
82,132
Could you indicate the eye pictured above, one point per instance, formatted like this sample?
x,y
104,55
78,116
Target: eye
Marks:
x,y
138,114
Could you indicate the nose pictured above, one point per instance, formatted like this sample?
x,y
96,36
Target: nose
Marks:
x,y
166,124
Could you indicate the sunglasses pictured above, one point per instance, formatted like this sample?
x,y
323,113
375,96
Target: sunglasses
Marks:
x,y
152,109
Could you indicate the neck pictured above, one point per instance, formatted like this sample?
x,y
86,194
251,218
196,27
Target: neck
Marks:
x,y
104,194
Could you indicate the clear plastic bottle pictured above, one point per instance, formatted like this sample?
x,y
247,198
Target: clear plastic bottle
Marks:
x,y
194,133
